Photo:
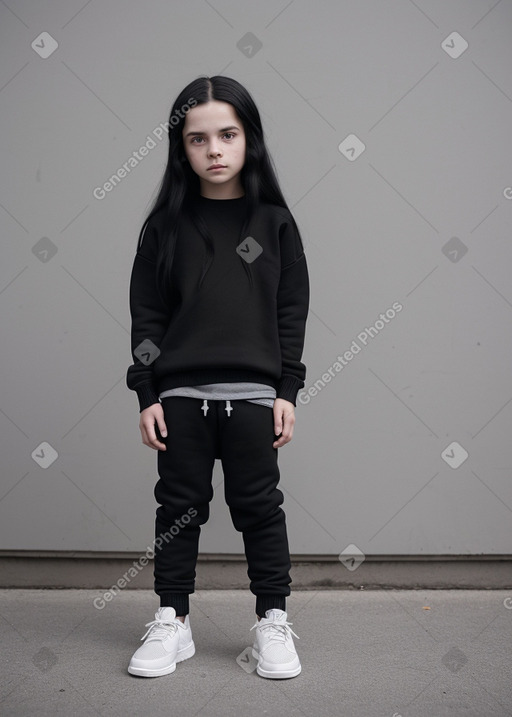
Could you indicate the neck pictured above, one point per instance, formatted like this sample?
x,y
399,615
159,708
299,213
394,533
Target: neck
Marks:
x,y
221,191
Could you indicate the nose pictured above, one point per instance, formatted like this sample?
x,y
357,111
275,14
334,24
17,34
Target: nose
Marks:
x,y
214,150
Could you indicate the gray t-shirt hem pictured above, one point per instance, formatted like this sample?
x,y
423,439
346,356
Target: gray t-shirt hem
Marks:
x,y
252,392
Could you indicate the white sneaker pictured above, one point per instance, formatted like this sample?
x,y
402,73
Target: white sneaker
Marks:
x,y
273,646
168,641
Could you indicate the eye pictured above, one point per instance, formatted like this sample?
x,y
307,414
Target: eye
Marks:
x,y
229,133
194,139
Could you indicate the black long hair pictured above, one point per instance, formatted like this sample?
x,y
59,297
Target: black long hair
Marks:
x,y
180,183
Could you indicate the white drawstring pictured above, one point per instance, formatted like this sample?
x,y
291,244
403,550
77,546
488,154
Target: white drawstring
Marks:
x,y
205,408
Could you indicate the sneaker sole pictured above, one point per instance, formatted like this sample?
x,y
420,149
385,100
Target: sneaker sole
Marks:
x,y
276,674
184,654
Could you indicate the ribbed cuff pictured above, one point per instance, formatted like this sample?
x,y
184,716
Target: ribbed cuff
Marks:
x,y
146,395
267,602
288,388
179,601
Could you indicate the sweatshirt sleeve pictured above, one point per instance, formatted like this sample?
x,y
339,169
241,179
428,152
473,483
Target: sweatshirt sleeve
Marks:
x,y
149,320
292,311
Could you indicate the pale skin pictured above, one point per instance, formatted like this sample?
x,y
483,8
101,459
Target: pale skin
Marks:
x,y
213,134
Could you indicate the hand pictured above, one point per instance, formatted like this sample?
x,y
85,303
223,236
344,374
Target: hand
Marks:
x,y
284,421
148,417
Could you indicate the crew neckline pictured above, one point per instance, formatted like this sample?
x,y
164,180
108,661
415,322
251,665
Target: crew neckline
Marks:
x,y
211,199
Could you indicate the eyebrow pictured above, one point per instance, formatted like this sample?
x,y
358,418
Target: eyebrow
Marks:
x,y
224,129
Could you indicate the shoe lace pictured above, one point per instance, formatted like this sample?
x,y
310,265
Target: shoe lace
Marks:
x,y
279,630
160,629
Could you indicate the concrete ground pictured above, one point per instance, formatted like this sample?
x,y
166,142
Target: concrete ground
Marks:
x,y
382,653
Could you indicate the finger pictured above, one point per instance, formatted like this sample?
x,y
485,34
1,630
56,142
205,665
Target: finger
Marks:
x,y
285,436
289,423
281,442
143,434
156,443
152,440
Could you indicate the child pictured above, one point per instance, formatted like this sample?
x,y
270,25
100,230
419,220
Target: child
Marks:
x,y
219,297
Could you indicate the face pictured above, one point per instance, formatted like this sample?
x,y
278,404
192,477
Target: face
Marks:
x,y
213,134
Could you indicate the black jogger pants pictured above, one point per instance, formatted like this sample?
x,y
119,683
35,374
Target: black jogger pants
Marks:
x,y
241,434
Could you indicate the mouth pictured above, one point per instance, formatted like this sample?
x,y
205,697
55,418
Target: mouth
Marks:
x,y
217,166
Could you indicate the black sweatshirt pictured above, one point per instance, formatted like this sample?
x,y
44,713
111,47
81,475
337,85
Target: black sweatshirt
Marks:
x,y
223,331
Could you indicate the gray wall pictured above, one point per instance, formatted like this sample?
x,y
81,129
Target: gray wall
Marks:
x,y
420,219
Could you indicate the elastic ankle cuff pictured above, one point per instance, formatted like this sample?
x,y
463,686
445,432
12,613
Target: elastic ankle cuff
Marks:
x,y
179,601
267,602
